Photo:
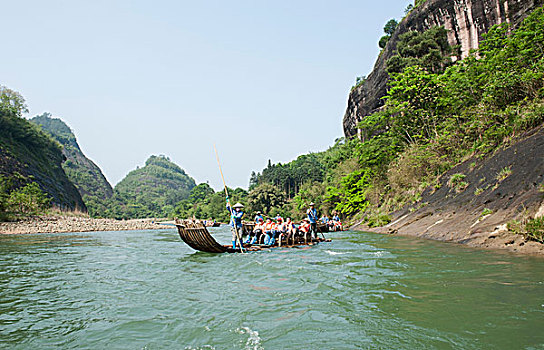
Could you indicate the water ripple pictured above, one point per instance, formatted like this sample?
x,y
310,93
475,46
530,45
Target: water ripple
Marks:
x,y
147,290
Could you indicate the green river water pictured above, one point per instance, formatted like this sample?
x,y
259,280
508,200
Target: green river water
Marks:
x,y
148,290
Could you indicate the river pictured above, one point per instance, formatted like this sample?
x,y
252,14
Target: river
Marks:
x,y
148,290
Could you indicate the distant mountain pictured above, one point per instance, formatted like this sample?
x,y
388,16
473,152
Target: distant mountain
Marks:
x,y
83,172
151,191
28,154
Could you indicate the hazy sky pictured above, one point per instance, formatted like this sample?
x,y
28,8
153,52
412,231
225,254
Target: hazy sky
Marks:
x,y
261,79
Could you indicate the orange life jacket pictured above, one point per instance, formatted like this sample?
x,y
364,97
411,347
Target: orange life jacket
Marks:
x,y
305,228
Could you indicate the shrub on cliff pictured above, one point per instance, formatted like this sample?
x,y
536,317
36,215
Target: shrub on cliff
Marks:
x,y
388,29
429,50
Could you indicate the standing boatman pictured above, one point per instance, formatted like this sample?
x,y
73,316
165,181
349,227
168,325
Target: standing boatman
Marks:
x,y
312,217
236,226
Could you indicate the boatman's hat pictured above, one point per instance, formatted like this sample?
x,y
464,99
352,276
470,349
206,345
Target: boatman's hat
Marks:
x,y
312,204
238,205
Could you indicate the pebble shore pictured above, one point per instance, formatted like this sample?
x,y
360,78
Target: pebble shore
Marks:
x,y
77,224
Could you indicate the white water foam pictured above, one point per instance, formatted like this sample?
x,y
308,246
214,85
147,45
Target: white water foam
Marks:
x,y
334,253
254,341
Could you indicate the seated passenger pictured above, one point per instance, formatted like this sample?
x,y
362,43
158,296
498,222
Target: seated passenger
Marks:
x,y
256,233
279,229
290,229
290,226
304,227
269,231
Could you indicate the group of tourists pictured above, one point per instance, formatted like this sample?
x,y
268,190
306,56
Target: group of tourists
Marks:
x,y
333,224
271,229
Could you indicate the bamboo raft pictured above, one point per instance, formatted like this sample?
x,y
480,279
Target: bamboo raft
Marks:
x,y
197,236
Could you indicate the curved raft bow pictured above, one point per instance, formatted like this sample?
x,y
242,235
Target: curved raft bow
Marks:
x,y
197,236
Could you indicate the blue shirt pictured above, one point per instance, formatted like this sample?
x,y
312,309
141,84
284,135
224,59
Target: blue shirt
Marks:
x,y
235,217
312,215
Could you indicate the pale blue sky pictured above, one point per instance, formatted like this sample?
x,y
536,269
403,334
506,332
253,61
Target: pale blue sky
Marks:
x,y
261,79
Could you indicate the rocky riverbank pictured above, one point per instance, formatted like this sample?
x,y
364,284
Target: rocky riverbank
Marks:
x,y
77,224
507,186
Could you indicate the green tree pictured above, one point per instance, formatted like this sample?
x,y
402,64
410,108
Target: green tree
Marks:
x,y
12,101
5,188
29,200
388,29
350,197
264,197
200,192
253,180
415,94
383,41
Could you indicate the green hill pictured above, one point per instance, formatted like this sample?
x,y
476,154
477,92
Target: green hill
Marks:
x,y
151,191
83,172
27,154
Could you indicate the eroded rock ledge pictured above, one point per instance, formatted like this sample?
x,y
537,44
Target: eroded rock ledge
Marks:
x,y
479,217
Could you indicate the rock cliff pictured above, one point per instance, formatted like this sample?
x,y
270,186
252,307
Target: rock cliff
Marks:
x,y
28,154
466,22
82,172
477,215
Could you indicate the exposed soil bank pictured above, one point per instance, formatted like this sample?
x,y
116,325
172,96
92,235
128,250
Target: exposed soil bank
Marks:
x,y
76,224
456,215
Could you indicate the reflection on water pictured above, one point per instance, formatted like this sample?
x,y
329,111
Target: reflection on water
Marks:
x,y
148,290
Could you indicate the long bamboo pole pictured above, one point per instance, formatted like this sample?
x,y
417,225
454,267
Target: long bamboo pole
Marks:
x,y
228,201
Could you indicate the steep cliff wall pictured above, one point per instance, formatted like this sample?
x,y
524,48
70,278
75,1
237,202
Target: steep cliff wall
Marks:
x,y
478,214
82,172
28,152
465,20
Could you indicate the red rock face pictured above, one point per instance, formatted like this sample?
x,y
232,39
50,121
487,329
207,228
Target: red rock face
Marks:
x,y
466,22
